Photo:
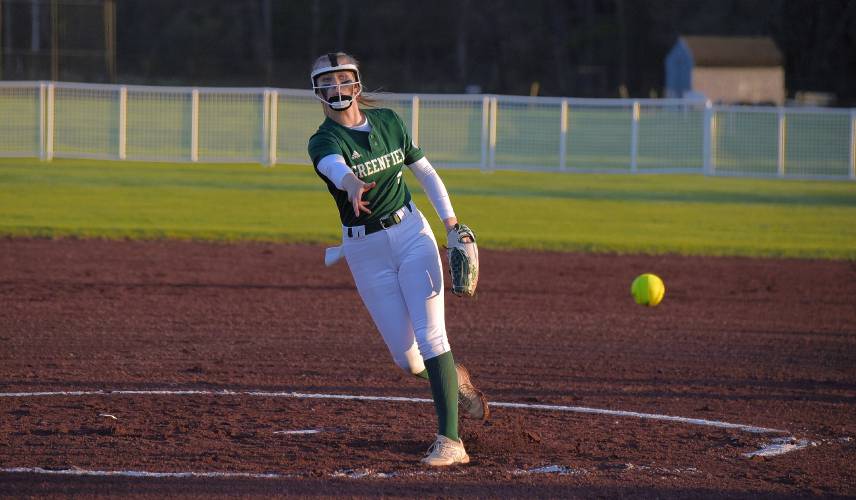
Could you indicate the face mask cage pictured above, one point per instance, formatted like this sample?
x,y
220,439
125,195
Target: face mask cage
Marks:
x,y
335,95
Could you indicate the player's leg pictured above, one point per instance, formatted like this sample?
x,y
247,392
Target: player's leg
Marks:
x,y
421,274
374,269
377,283
420,277
384,281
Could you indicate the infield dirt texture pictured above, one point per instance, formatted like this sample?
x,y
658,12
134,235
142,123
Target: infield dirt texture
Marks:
x,y
765,343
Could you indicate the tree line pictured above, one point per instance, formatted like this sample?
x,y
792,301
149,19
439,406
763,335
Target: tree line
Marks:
x,y
583,48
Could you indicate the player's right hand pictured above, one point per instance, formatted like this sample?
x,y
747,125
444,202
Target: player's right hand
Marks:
x,y
355,189
361,205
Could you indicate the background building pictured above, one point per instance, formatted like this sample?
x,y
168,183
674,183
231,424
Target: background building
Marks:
x,y
732,70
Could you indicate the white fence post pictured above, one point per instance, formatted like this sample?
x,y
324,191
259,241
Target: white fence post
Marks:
x,y
853,144
563,135
42,98
485,135
49,133
634,139
123,122
492,127
707,140
264,130
194,125
414,120
274,121
780,161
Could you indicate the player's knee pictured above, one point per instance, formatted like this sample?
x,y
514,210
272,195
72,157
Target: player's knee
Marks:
x,y
409,367
434,345
410,361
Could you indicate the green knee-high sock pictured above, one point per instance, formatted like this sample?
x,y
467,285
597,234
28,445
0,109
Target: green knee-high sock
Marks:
x,y
444,388
422,374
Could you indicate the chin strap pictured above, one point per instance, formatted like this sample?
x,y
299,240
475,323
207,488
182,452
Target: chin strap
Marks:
x,y
340,102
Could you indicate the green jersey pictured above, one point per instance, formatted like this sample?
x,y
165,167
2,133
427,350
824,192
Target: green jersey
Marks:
x,y
376,156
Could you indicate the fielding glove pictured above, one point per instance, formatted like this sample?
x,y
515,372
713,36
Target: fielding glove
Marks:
x,y
463,260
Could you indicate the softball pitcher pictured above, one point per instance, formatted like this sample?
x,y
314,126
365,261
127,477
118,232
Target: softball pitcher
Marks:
x,y
388,244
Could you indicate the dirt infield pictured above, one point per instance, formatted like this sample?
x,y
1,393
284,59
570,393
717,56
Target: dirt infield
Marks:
x,y
763,343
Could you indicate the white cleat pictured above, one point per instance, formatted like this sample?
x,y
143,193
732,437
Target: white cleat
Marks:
x,y
445,451
472,401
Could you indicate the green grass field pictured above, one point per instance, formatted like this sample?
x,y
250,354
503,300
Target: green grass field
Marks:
x,y
684,214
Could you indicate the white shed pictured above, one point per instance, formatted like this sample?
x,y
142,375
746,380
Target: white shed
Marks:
x,y
726,69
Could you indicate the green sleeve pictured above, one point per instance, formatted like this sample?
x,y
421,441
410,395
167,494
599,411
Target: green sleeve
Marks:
x,y
321,145
412,153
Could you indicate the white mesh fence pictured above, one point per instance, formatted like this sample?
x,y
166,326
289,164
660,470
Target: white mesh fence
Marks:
x,y
45,119
528,133
670,136
453,130
298,117
85,121
232,125
745,140
599,135
158,124
20,120
817,144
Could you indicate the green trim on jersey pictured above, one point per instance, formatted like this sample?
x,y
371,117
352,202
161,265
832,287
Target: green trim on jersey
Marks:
x,y
376,156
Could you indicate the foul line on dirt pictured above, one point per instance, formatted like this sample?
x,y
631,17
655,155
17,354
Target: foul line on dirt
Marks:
x,y
576,409
346,473
136,473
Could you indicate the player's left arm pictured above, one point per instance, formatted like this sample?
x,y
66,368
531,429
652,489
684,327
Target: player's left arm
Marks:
x,y
436,191
461,245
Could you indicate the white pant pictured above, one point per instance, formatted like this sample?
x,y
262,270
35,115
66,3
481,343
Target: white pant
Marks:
x,y
400,279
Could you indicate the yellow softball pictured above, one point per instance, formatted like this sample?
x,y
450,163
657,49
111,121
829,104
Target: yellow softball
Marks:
x,y
648,289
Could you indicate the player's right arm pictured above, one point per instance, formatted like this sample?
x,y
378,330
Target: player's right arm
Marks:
x,y
334,168
327,156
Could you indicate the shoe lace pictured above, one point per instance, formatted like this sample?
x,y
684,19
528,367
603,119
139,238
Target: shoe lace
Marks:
x,y
442,447
469,395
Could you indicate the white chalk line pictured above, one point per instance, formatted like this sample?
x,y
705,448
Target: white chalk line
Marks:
x,y
299,432
780,446
559,470
342,473
139,473
529,406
